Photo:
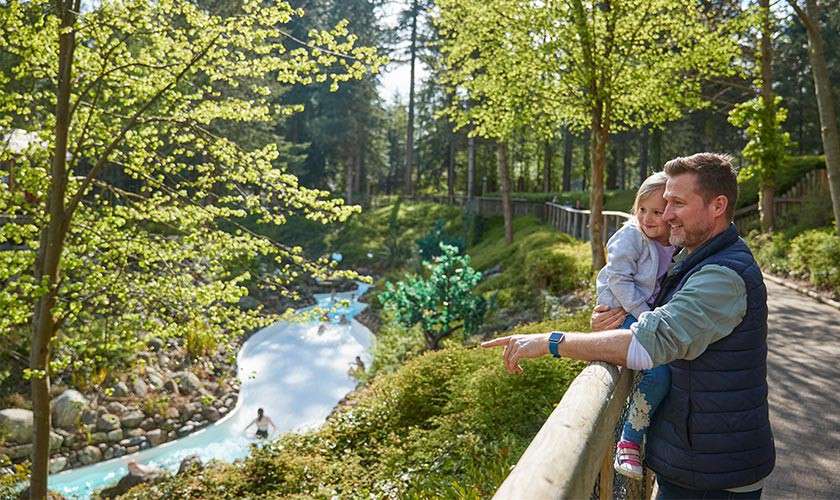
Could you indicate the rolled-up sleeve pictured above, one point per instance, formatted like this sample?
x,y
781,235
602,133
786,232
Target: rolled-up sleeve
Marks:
x,y
711,303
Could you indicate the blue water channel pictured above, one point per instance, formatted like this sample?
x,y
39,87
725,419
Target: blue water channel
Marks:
x,y
296,371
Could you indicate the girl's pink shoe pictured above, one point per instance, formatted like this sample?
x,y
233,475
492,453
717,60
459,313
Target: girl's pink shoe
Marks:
x,y
628,459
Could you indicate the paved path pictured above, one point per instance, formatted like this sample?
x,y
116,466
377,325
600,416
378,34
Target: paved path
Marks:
x,y
804,376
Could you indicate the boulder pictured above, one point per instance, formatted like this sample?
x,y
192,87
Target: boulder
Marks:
x,y
56,440
173,413
135,433
16,424
58,464
116,408
139,387
121,390
115,436
148,424
107,422
212,414
109,453
68,408
132,449
183,431
18,452
156,437
155,344
89,455
155,379
132,419
98,437
188,382
135,476
89,417
189,462
171,386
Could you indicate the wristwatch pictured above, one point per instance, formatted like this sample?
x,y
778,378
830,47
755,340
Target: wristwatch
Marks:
x,y
554,341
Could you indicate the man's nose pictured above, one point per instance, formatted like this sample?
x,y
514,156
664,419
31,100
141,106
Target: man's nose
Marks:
x,y
668,213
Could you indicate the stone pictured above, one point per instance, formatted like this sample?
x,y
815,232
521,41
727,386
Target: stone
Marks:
x,y
116,408
139,387
102,447
16,425
188,382
109,453
223,410
70,441
163,360
183,431
132,449
172,413
132,433
144,445
98,437
148,424
89,455
172,435
58,464
136,475
18,452
119,451
156,437
155,379
155,344
171,386
115,436
89,417
135,441
189,462
68,408
107,422
121,390
132,419
212,414
56,440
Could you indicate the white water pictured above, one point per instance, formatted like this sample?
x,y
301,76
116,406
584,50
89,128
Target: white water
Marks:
x,y
290,370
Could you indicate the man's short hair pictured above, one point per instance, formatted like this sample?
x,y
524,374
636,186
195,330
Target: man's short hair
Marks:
x,y
715,176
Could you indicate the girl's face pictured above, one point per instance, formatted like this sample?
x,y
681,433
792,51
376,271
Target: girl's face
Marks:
x,y
649,214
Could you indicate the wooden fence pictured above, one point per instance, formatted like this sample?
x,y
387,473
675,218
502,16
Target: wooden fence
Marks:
x,y
813,182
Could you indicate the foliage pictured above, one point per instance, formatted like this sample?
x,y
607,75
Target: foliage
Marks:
x,y
445,421
10,484
768,143
151,180
430,244
791,171
443,303
200,339
813,255
553,271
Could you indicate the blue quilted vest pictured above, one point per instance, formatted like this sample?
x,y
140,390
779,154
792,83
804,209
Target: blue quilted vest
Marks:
x,y
712,431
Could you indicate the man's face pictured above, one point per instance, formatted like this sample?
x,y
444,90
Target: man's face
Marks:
x,y
690,217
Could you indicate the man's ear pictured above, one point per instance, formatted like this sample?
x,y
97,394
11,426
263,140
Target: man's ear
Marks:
x,y
719,205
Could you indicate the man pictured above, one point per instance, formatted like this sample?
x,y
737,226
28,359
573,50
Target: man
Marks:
x,y
711,436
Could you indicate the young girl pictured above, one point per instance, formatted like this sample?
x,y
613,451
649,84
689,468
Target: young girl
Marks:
x,y
638,255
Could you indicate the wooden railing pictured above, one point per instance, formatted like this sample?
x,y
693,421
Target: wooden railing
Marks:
x,y
575,222
813,182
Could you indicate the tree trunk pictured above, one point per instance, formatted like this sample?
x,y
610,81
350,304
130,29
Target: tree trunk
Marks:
x,y
767,189
656,149
450,169
48,258
612,170
600,137
548,153
568,144
643,155
504,187
348,179
587,159
825,103
409,135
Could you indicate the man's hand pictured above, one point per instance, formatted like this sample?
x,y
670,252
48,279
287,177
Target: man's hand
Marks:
x,y
519,347
604,318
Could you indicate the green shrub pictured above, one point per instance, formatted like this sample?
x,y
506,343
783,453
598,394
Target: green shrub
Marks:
x,y
815,255
429,244
771,251
553,271
200,339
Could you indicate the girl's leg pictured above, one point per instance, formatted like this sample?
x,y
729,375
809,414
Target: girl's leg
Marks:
x,y
652,389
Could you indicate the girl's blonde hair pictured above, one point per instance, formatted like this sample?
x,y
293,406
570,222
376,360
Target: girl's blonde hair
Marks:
x,y
652,184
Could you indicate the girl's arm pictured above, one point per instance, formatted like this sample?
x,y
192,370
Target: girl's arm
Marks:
x,y
624,250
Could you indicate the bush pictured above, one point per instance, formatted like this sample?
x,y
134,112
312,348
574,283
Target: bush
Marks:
x,y
553,271
429,245
815,255
771,251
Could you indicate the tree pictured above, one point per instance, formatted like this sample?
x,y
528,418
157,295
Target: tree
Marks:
x,y
601,65
139,88
810,18
443,303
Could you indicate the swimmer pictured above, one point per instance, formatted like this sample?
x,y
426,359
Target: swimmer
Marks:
x,y
262,421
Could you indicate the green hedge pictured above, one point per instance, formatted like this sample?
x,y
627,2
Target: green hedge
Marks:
x,y
447,423
813,255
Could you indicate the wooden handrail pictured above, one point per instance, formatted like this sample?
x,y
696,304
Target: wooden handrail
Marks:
x,y
566,456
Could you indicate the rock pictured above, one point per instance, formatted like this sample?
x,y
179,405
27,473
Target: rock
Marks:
x,y
119,451
163,360
144,445
68,408
171,386
155,379
89,417
155,344
173,413
248,303
98,437
115,435
188,463
18,452
121,390
156,437
188,382
16,425
147,424
139,387
102,447
132,449
107,422
109,453
223,410
172,435
212,414
135,476
116,408
70,441
56,440
90,455
183,431
132,419
135,433
58,464
135,441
